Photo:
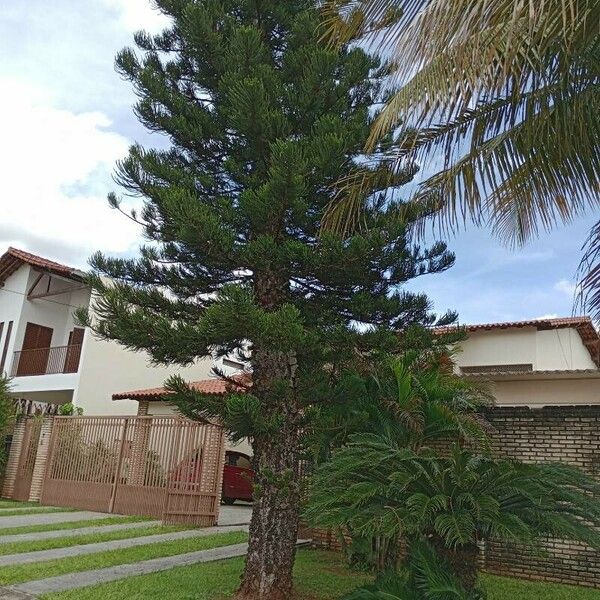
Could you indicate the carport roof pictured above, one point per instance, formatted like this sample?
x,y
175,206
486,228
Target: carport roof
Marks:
x,y
214,386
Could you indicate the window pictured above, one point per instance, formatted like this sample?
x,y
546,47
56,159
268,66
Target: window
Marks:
x,y
234,364
243,463
491,369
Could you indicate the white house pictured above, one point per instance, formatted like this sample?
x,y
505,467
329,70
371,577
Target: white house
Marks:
x,y
544,362
50,358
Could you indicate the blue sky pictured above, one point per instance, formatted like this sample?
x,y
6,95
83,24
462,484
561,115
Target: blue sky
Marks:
x,y
67,118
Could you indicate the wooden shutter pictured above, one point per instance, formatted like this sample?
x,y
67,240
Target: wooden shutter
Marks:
x,y
35,350
74,350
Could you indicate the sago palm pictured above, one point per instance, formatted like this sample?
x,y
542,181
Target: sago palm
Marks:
x,y
506,93
413,399
454,502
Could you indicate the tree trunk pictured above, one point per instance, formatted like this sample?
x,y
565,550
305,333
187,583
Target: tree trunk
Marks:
x,y
274,524
462,560
273,528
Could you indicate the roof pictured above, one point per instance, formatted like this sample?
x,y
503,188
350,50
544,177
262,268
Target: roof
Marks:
x,y
583,325
217,387
541,374
557,323
13,258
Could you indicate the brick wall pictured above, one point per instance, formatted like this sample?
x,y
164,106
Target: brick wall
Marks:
x,y
558,434
552,434
39,468
12,464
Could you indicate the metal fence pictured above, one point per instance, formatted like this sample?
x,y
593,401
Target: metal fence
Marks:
x,y
163,467
46,361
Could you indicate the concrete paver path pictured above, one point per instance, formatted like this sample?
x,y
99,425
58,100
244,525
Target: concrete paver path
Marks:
x,y
236,514
60,533
49,518
79,550
85,578
10,594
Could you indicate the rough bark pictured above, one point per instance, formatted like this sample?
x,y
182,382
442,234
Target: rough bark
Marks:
x,y
462,560
274,524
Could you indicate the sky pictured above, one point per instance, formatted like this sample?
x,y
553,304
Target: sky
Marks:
x,y
66,118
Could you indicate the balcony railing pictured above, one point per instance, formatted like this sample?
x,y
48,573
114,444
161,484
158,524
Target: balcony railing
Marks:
x,y
46,361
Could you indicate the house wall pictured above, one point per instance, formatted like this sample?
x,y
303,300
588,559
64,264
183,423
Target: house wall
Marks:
x,y
107,368
554,349
12,295
55,311
547,392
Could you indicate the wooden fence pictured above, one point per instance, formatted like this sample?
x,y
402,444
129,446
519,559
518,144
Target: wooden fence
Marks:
x,y
163,467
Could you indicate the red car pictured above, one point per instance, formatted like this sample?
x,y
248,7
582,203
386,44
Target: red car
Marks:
x,y
238,477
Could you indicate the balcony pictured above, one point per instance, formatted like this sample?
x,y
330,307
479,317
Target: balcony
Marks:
x,y
46,361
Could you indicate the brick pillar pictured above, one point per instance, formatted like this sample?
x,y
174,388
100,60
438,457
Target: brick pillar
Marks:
x,y
13,458
143,406
39,468
139,450
213,460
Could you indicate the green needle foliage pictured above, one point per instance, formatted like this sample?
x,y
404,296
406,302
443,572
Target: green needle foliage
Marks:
x,y
260,120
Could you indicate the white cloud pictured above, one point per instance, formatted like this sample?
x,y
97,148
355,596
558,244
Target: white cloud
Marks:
x,y
566,287
138,14
56,169
547,316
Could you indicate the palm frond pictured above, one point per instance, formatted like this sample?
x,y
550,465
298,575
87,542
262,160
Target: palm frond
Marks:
x,y
588,297
492,86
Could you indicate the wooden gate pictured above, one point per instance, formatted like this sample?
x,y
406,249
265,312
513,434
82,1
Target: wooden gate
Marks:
x,y
31,437
165,467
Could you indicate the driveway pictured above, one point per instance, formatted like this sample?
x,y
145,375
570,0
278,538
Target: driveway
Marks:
x,y
237,514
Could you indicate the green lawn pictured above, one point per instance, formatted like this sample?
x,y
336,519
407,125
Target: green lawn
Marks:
x,y
35,510
16,504
50,568
73,525
502,588
63,542
319,575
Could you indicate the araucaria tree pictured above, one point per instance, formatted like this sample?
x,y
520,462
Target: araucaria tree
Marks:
x,y
261,120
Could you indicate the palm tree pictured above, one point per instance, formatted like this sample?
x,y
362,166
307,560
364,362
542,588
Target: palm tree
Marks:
x,y
453,502
413,400
506,93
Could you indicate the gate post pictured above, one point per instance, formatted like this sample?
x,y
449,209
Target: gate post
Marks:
x,y
13,457
39,468
113,492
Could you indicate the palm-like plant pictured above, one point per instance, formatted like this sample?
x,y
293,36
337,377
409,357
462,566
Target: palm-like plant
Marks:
x,y
455,502
507,92
413,400
425,576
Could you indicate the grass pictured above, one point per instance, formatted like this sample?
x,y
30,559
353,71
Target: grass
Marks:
x,y
72,525
37,510
319,575
92,538
50,568
16,504
502,588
